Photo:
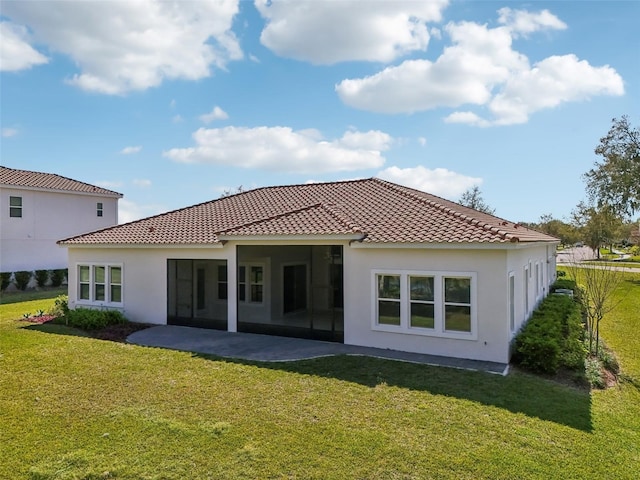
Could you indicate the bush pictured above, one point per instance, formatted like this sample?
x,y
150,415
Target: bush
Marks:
x,y
58,276
41,277
60,306
88,319
22,279
561,273
553,337
593,372
5,279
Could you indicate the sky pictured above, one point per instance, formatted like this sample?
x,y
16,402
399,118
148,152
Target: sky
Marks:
x,y
173,103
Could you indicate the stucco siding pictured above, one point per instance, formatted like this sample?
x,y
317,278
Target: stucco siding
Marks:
x,y
489,266
29,242
144,277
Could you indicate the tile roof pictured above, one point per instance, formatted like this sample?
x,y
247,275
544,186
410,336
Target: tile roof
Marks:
x,y
373,210
11,177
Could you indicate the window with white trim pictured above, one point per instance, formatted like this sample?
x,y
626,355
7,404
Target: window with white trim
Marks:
x,y
426,303
99,209
512,301
251,283
15,207
100,284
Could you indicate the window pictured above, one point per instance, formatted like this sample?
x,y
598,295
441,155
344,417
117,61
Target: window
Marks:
x,y
421,296
100,284
426,303
256,284
15,207
457,304
512,302
389,299
223,286
251,283
99,209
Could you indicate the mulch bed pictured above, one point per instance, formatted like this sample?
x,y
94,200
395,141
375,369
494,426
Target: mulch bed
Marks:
x,y
118,333
39,319
113,333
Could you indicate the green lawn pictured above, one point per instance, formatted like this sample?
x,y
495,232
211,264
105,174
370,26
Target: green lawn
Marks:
x,y
73,407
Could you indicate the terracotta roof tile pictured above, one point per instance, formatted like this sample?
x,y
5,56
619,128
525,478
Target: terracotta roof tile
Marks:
x,y
381,211
11,177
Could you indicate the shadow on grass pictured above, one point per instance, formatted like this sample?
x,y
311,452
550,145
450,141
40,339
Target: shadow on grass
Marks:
x,y
518,392
18,297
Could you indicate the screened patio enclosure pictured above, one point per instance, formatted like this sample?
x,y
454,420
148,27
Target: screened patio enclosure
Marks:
x,y
197,293
295,291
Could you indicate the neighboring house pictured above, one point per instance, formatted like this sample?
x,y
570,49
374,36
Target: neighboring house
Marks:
x,y
364,262
37,209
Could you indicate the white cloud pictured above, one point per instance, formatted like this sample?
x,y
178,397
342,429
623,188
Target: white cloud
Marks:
x,y
329,32
126,46
481,68
216,114
177,119
439,181
469,118
549,83
142,182
422,141
130,150
283,149
9,132
524,22
128,211
15,51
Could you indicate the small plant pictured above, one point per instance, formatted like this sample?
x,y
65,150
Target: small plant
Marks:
x,y
26,315
42,276
5,278
593,372
39,313
60,306
22,279
58,276
561,273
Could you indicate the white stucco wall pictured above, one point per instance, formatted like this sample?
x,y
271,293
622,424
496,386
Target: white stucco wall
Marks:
x,y
489,267
144,277
29,242
145,288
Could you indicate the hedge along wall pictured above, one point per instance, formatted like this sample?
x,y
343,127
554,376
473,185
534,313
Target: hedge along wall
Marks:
x,y
22,278
554,336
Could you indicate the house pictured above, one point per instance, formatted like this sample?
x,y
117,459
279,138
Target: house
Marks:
x,y
363,262
37,209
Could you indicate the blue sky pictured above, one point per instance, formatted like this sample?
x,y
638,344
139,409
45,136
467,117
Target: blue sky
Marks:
x,y
171,103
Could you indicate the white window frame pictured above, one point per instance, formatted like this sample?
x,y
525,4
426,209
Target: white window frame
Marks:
x,y
511,301
248,283
439,304
107,284
15,208
99,209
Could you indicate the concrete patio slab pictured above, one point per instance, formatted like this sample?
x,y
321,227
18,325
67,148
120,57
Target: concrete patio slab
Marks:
x,y
268,348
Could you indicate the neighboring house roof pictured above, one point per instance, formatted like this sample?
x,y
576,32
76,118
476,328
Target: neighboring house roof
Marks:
x,y
14,178
371,210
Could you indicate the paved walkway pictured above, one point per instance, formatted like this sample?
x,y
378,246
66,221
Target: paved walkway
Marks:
x,y
268,348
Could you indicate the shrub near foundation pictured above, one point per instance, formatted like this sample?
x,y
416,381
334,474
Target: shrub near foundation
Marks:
x,y
22,279
553,337
89,319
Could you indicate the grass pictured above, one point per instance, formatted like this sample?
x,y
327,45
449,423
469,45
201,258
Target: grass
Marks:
x,y
73,407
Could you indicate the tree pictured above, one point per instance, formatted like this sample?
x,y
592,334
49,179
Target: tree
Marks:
x,y
472,198
229,191
597,226
614,182
566,232
598,285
